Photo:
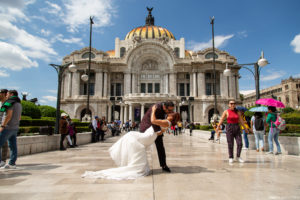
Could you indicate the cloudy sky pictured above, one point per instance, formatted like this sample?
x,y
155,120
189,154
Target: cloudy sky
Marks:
x,y
34,33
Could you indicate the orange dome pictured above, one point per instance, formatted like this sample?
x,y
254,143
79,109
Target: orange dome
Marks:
x,y
149,32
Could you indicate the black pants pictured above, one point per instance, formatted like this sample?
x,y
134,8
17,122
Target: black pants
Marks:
x,y
62,138
94,133
100,134
161,150
74,139
233,131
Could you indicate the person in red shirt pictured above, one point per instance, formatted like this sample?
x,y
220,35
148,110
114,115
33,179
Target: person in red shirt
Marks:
x,y
233,130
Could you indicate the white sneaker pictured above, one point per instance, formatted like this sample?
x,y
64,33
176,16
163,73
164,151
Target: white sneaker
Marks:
x,y
2,164
230,160
244,148
240,160
269,152
8,166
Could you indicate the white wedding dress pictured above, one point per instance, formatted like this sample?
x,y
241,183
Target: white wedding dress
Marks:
x,y
129,154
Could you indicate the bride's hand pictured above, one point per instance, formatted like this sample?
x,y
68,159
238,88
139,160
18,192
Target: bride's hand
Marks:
x,y
154,109
160,133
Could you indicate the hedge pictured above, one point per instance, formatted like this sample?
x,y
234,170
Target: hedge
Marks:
x,y
30,109
36,129
43,122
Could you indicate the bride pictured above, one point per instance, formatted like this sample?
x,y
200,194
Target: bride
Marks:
x,y
129,152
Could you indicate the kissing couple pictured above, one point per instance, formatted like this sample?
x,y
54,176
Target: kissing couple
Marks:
x,y
129,152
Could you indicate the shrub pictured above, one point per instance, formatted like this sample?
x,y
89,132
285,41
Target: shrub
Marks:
x,y
47,111
83,129
30,109
29,129
23,117
287,110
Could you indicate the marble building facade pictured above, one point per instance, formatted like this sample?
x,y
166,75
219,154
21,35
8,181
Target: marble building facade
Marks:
x,y
148,66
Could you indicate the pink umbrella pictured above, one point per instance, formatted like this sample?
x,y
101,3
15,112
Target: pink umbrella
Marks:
x,y
270,102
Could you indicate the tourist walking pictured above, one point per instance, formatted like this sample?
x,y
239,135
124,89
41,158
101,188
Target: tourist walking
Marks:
x,y
273,130
233,130
12,110
192,127
72,132
258,129
102,128
3,98
63,130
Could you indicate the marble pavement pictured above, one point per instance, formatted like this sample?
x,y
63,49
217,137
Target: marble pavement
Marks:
x,y
200,170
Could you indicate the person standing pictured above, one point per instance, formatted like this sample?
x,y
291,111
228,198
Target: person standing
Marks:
x,y
258,128
12,109
233,130
192,127
102,127
3,94
72,132
273,130
63,130
94,129
161,110
245,135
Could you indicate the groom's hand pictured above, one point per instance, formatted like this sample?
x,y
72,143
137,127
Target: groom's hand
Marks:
x,y
154,108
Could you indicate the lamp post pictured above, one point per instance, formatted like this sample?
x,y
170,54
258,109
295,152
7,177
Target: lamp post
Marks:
x,y
212,22
256,73
60,70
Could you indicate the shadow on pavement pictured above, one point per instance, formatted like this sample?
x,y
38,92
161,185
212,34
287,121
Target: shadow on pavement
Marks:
x,y
185,170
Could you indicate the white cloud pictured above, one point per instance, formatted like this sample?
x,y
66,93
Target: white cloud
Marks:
x,y
296,76
19,46
242,34
43,101
272,75
54,8
49,98
13,3
296,43
72,40
245,92
45,32
52,91
3,73
14,58
220,41
102,10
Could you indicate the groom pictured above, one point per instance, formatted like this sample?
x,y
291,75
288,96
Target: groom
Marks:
x,y
161,110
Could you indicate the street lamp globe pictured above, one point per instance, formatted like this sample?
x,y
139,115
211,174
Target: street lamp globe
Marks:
x,y
85,77
227,72
72,68
262,62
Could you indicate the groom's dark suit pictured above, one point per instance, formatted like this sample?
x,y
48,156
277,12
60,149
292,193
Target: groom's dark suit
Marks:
x,y
146,123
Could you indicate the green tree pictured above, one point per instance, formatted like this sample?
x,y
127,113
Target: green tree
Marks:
x,y
47,111
31,110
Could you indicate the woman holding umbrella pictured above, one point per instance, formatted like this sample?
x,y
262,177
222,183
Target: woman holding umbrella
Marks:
x,y
233,130
273,130
271,118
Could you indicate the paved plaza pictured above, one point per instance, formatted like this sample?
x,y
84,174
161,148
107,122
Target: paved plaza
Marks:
x,y
200,170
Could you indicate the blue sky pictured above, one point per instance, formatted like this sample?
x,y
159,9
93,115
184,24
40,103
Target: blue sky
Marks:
x,y
34,33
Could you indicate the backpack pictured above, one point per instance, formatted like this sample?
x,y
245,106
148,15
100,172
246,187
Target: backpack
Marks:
x,y
280,123
259,124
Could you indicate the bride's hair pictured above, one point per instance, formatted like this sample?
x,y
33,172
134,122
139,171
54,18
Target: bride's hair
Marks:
x,y
175,118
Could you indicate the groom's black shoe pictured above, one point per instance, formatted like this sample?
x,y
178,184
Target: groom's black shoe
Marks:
x,y
166,169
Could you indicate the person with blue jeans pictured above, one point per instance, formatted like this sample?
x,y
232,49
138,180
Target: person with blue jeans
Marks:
x,y
258,128
245,135
274,131
10,125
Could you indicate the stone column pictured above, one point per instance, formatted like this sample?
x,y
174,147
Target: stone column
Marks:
x,y
222,85
105,85
76,84
121,113
142,110
173,82
201,84
127,81
195,93
99,83
130,112
109,112
108,84
167,83
69,94
133,89
178,108
191,85
125,113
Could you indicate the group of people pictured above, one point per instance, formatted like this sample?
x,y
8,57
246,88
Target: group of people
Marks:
x,y
67,130
10,116
98,127
236,124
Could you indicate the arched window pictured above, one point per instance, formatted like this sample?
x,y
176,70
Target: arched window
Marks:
x,y
83,112
211,114
177,52
86,55
122,51
210,55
